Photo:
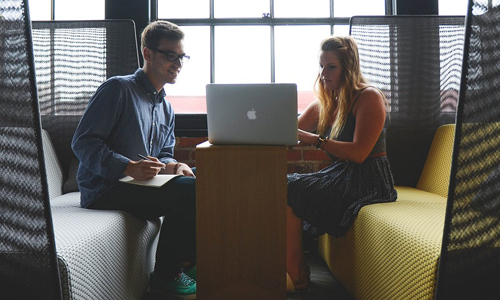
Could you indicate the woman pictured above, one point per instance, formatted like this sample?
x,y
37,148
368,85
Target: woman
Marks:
x,y
347,122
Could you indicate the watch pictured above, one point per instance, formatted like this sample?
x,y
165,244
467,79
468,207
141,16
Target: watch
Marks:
x,y
320,142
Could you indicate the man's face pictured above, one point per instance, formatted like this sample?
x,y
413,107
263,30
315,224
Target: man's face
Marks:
x,y
164,66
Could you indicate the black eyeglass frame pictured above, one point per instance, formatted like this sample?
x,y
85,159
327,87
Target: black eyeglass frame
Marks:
x,y
169,54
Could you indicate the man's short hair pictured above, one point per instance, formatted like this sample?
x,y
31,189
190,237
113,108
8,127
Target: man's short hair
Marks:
x,y
159,30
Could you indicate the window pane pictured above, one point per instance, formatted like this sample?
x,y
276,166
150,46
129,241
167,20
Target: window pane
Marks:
x,y
187,95
242,54
240,9
452,7
40,10
183,9
79,10
349,8
302,9
342,30
298,62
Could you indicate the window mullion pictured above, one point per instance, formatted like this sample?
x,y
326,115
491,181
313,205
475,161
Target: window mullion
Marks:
x,y
212,41
273,48
390,7
212,53
153,13
332,14
53,10
273,55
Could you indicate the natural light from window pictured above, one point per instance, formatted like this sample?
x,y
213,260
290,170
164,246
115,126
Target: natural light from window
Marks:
x,y
40,10
453,7
242,54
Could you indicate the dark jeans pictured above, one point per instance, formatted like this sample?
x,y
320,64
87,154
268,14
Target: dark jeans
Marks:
x,y
176,200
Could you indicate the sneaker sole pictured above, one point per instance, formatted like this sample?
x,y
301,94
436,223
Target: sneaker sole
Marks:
x,y
173,296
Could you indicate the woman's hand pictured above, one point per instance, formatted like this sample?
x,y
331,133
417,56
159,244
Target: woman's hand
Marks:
x,y
307,138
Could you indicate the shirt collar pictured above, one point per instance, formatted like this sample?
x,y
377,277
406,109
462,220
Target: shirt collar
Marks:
x,y
156,97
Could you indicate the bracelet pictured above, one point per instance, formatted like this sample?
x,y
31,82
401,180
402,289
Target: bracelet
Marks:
x,y
174,171
321,141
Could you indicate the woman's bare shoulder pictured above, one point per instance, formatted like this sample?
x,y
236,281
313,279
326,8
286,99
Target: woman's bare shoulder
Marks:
x,y
370,91
369,96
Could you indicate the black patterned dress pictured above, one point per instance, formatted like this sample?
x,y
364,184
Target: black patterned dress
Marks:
x,y
329,200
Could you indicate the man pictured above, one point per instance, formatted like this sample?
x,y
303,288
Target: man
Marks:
x,y
128,116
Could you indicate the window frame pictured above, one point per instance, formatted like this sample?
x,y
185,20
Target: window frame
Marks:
x,y
263,21
53,8
195,125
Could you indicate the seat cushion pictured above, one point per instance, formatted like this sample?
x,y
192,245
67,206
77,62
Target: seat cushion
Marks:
x,y
107,254
410,194
392,250
55,175
435,176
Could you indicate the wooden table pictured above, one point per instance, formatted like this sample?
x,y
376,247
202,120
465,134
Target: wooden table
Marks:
x,y
241,222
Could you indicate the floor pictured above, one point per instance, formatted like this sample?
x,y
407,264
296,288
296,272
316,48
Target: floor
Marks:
x,y
323,285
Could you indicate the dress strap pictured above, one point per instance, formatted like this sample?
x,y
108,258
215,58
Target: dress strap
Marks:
x,y
357,97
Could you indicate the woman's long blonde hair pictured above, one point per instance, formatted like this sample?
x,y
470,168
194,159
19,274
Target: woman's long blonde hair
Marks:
x,y
352,82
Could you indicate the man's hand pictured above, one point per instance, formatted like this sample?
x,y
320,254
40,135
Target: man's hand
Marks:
x,y
144,169
185,170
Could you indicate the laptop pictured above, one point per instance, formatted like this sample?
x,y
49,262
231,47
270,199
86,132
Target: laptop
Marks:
x,y
252,114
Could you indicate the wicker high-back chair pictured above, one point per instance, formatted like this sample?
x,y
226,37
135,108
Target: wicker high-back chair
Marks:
x,y
72,59
470,258
28,264
416,61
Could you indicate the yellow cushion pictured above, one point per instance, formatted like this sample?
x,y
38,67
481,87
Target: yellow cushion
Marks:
x,y
435,176
392,250
406,193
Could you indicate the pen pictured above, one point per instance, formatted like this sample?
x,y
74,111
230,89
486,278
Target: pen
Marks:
x,y
143,157
146,158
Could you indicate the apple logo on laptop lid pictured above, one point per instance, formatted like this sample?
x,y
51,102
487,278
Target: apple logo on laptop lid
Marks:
x,y
252,114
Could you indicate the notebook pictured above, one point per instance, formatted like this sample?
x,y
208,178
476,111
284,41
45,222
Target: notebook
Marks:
x,y
252,114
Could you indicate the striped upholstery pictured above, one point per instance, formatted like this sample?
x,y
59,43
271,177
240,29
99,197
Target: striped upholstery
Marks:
x,y
392,250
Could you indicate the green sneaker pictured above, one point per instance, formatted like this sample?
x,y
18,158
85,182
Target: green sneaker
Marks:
x,y
192,273
181,287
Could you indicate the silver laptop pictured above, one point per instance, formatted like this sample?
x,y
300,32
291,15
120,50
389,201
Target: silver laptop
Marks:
x,y
252,114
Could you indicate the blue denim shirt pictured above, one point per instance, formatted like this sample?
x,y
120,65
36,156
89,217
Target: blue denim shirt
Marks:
x,y
125,117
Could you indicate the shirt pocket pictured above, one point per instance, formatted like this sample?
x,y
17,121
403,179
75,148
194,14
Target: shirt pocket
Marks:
x,y
164,135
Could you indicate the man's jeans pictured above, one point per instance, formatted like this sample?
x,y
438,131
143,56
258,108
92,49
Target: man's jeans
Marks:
x,y
176,200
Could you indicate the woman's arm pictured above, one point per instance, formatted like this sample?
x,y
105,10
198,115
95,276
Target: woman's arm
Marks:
x,y
308,120
370,115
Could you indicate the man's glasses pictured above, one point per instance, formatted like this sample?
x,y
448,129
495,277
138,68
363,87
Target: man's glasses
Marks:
x,y
172,56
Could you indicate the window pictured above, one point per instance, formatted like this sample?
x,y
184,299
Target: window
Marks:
x,y
40,10
44,10
453,7
255,41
